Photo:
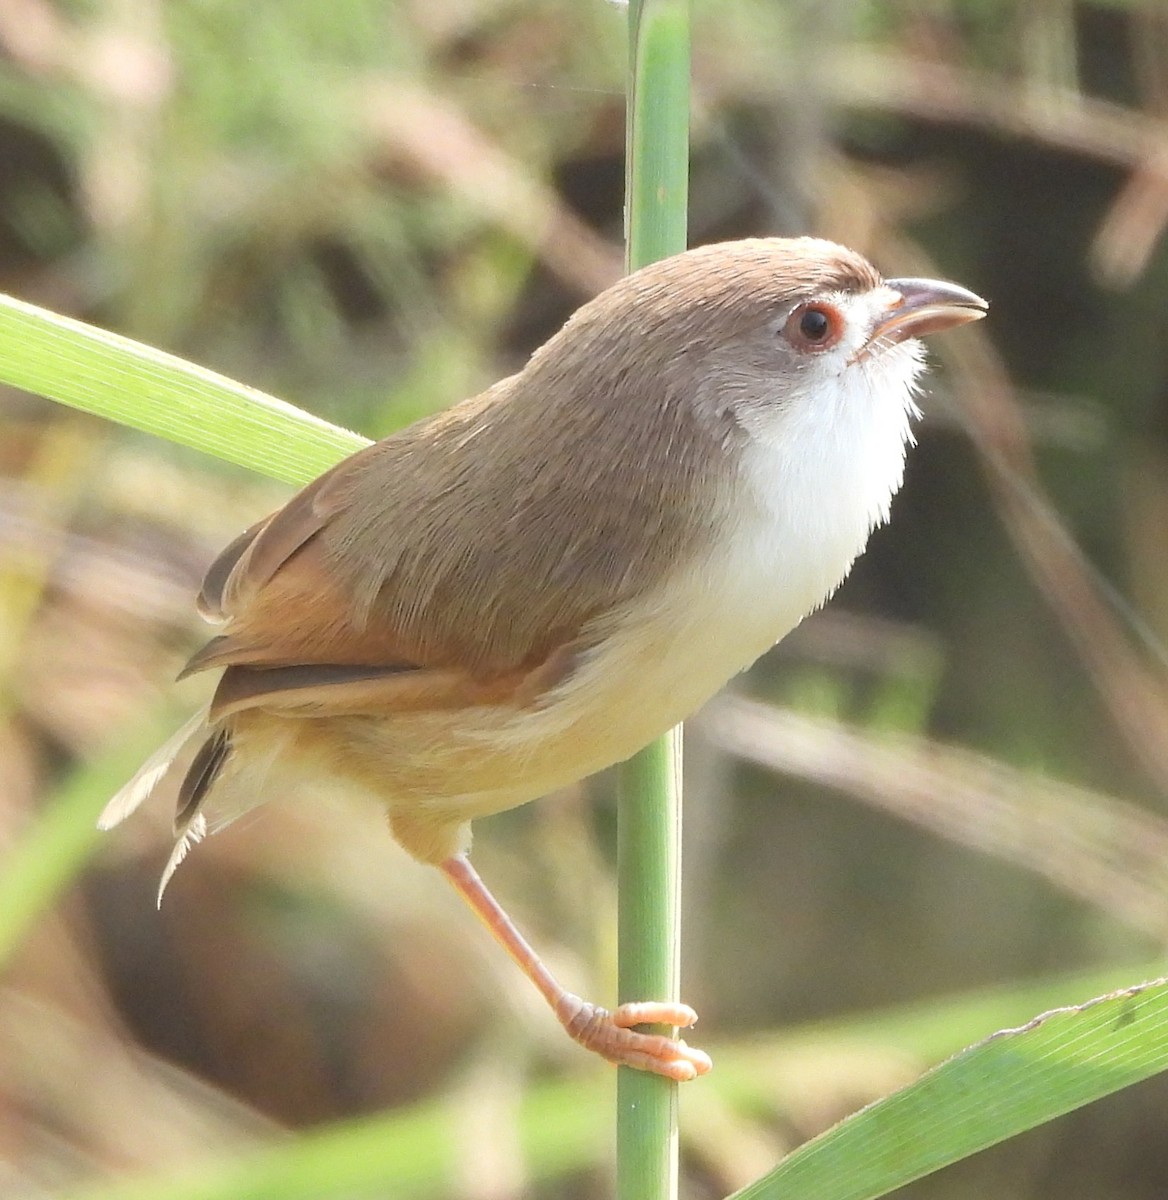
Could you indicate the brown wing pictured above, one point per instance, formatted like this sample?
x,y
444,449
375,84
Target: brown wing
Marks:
x,y
475,556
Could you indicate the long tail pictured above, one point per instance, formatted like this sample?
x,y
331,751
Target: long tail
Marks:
x,y
190,823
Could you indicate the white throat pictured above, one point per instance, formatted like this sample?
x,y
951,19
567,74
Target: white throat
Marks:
x,y
817,477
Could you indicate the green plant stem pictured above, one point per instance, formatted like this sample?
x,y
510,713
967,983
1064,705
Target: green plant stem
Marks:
x,y
649,842
649,862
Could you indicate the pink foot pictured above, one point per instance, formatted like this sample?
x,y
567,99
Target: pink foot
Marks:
x,y
610,1034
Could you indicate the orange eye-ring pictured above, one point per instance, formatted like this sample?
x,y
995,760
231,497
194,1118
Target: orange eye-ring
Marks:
x,y
814,326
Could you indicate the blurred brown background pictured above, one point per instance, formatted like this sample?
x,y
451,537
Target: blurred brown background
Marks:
x,y
955,777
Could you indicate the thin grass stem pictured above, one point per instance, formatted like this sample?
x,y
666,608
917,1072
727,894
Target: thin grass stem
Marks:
x,y
649,841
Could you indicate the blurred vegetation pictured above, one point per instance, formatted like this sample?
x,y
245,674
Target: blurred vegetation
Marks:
x,y
952,779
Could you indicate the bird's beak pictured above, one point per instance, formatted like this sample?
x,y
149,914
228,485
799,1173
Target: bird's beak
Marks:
x,y
921,306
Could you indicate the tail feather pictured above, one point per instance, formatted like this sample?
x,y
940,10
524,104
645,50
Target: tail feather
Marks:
x,y
190,824
195,831
150,773
200,778
215,790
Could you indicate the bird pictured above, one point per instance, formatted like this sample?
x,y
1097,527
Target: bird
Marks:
x,y
510,595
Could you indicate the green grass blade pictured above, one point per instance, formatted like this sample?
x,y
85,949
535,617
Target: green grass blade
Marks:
x,y
1009,1083
124,381
649,842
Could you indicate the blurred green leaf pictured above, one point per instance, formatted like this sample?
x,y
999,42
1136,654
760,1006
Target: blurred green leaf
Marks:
x,y
47,857
416,1153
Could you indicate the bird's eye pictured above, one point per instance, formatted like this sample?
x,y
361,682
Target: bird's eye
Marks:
x,y
814,326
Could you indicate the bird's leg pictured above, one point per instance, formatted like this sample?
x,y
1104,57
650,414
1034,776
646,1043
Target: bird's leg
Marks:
x,y
610,1034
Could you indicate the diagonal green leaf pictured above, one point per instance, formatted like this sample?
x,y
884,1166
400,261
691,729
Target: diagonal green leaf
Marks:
x,y
1009,1083
125,381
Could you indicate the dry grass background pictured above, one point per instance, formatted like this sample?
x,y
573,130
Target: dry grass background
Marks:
x,y
955,777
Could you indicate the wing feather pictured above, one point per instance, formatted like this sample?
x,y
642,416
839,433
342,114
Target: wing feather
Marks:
x,y
253,558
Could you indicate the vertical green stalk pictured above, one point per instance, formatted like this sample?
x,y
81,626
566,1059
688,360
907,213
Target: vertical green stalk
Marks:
x,y
649,841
